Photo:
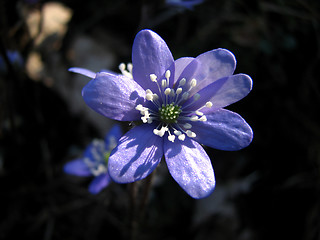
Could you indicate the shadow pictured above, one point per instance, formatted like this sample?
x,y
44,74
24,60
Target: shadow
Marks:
x,y
175,148
146,145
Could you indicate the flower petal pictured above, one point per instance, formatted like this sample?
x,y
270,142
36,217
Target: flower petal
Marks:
x,y
223,92
213,65
77,167
99,183
224,130
179,65
114,96
190,166
83,71
138,153
150,55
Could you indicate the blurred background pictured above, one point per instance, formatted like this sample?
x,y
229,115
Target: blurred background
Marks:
x,y
269,190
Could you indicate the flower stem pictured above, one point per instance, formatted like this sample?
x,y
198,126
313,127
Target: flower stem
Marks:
x,y
138,201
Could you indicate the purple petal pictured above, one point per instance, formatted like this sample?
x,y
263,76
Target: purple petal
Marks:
x,y
179,65
83,71
190,166
214,65
114,96
99,183
150,55
224,130
138,153
223,92
77,167
188,72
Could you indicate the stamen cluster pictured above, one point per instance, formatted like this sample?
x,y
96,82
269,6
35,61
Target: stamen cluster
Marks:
x,y
169,109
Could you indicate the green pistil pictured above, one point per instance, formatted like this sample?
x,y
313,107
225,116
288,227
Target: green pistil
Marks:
x,y
169,113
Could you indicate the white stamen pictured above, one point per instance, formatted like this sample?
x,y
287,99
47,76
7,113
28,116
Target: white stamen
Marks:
x,y
153,77
122,67
196,97
171,138
199,113
193,83
187,126
181,137
162,131
148,91
167,91
176,132
185,96
168,74
144,119
194,118
208,104
179,90
130,67
190,134
182,82
155,97
139,107
203,118
164,83
149,96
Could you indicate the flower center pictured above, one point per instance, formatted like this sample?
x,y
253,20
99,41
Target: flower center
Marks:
x,y
97,162
169,109
170,113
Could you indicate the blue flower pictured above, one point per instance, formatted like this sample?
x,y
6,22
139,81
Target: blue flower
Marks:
x,y
181,106
189,4
94,161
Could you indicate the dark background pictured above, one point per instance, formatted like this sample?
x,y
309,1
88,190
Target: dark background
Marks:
x,y
270,190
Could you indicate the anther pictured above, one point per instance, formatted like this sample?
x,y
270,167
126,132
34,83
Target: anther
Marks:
x,y
163,83
190,134
168,74
194,118
176,132
153,77
155,96
199,113
196,96
208,104
182,82
149,96
179,90
185,96
181,137
193,82
122,67
167,91
203,118
171,138
130,67
139,107
187,126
